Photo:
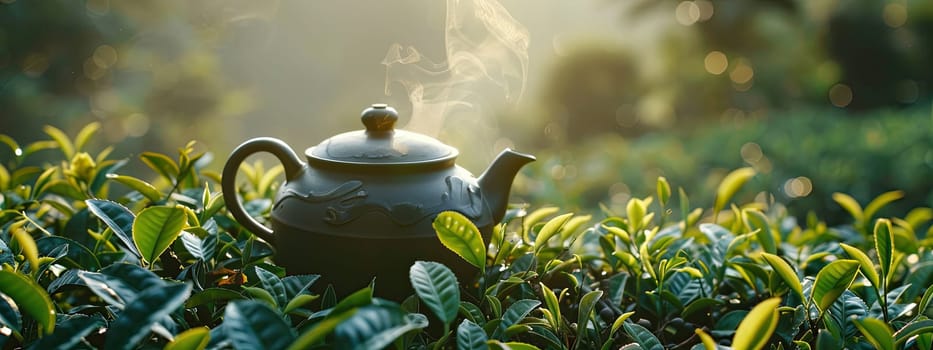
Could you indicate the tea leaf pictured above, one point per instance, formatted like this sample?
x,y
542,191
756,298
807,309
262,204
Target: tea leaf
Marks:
x,y
876,332
756,328
553,305
437,287
137,318
495,344
850,205
253,325
705,339
156,228
470,336
162,164
85,135
912,329
635,209
756,220
64,143
533,218
320,330
375,327
515,313
549,230
192,339
879,202
619,321
642,336
30,298
118,218
461,236
730,185
664,190
144,188
585,312
865,265
832,281
69,332
26,244
783,269
272,284
884,246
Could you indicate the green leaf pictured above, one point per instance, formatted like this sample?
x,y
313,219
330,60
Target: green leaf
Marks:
x,y
212,295
926,307
4,181
470,336
358,298
9,315
27,245
912,329
437,287
756,220
865,265
156,228
64,143
461,236
118,218
705,339
375,327
162,164
192,339
273,284
299,301
635,210
618,322
252,324
664,190
876,332
144,188
512,345
320,330
85,135
850,205
832,281
756,328
880,202
552,303
585,312
884,246
785,271
30,298
69,332
516,312
551,228
135,321
730,185
642,336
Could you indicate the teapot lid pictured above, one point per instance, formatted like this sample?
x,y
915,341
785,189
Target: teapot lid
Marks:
x,y
381,145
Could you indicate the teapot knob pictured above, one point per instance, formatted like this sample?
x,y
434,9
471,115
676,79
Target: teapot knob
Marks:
x,y
379,118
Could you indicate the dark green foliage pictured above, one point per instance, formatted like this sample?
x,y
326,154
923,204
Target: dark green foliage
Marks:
x,y
74,274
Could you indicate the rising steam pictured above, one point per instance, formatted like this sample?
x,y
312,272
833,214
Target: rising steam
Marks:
x,y
486,66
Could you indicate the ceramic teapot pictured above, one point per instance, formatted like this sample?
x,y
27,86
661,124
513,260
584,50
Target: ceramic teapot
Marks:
x,y
362,204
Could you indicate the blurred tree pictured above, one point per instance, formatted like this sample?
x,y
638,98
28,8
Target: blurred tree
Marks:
x,y
884,50
131,66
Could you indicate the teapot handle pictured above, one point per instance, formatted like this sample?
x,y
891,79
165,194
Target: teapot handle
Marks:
x,y
280,150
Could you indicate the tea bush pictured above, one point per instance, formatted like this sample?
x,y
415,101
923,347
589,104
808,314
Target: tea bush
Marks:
x,y
829,150
165,267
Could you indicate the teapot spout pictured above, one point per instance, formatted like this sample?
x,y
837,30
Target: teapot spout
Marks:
x,y
496,181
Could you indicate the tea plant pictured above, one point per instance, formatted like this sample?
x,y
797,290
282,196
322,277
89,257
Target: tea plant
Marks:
x,y
163,266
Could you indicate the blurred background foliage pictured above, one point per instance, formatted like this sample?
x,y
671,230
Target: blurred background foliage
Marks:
x,y
818,96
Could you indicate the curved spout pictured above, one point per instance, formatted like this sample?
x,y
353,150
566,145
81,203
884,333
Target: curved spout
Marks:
x,y
496,181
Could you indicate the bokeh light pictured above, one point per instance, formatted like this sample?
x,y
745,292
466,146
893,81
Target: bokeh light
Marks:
x,y
687,13
798,187
716,62
895,15
840,95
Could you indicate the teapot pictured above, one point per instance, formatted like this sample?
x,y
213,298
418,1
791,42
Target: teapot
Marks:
x,y
362,203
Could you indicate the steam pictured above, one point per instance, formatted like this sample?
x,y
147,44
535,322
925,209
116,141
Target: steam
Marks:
x,y
486,66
